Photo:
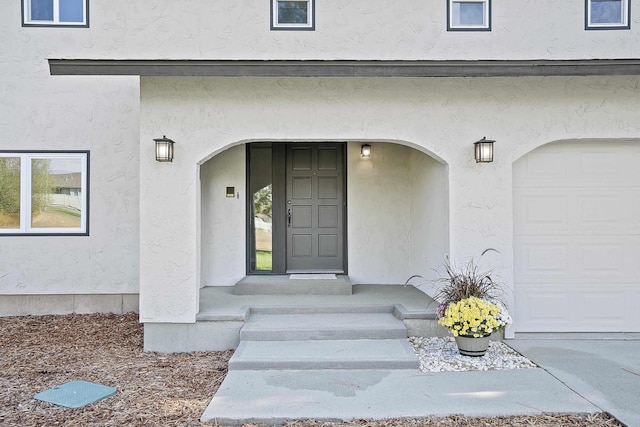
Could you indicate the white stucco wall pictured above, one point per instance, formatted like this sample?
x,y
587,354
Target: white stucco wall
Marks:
x,y
223,220
40,112
442,116
397,213
372,29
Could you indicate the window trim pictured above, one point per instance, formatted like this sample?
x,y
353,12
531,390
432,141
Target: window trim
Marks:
x,y
26,22
451,27
310,26
25,193
626,15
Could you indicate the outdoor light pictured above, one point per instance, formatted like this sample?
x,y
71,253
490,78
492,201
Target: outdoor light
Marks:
x,y
484,150
164,149
365,150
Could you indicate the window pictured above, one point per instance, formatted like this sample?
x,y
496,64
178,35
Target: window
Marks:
x,y
44,193
468,15
607,14
292,15
63,13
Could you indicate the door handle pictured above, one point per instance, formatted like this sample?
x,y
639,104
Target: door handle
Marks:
x,y
289,217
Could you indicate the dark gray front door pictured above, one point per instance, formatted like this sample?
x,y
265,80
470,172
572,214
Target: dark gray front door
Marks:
x,y
315,202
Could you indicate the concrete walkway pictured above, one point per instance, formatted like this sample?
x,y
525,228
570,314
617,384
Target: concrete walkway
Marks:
x,y
604,372
586,376
575,376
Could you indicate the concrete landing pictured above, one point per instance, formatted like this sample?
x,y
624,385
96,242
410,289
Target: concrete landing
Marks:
x,y
294,285
276,396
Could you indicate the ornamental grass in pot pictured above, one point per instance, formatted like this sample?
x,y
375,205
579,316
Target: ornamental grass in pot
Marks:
x,y
470,305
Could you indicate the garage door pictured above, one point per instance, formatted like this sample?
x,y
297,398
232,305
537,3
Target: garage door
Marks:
x,y
577,238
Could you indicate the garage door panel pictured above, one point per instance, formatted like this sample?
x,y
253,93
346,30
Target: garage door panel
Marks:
x,y
602,210
537,211
577,164
584,259
579,308
577,237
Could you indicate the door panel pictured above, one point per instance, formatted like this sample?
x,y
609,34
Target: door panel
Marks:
x,y
315,207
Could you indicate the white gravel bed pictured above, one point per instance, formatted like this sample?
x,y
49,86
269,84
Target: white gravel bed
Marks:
x,y
441,355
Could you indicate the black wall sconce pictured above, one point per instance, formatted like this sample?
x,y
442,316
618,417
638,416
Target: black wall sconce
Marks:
x,y
365,151
484,150
164,149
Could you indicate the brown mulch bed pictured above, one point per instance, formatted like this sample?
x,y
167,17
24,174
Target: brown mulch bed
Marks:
x,y
40,352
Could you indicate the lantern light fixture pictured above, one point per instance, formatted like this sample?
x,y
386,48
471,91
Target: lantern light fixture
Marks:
x,y
365,151
484,150
164,149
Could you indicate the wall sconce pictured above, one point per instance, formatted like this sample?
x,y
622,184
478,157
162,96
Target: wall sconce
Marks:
x,y
484,150
365,151
164,149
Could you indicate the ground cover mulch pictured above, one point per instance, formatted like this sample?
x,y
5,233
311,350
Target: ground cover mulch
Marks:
x,y
41,352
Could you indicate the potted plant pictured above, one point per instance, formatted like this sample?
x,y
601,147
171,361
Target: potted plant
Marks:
x,y
470,305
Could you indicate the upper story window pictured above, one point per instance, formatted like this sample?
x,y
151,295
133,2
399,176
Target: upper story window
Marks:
x,y
59,13
292,15
468,15
607,14
43,193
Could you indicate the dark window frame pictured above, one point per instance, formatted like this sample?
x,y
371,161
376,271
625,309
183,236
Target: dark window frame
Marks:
x,y
589,26
291,27
450,27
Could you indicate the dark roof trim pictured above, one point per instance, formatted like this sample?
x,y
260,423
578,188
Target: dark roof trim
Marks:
x,y
343,68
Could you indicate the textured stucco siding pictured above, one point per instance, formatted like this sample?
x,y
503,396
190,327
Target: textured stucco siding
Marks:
x,y
372,29
440,117
40,112
147,231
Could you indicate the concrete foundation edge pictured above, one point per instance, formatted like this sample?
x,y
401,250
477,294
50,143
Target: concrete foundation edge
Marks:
x,y
37,305
187,337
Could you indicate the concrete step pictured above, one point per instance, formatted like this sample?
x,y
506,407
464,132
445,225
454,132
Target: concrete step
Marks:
x,y
337,284
326,354
322,326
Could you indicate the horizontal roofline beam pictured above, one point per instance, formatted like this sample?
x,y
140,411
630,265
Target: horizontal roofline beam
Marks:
x,y
343,68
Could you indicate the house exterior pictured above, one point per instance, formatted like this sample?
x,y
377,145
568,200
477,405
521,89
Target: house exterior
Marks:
x,y
275,100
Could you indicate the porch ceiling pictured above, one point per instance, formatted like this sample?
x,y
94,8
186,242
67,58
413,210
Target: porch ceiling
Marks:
x,y
344,68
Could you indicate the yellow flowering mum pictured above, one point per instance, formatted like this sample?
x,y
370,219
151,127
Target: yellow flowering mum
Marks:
x,y
471,317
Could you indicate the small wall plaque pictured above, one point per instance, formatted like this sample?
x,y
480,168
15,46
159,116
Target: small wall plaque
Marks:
x,y
231,192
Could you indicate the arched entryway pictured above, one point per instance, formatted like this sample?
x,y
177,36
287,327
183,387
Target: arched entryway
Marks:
x,y
396,206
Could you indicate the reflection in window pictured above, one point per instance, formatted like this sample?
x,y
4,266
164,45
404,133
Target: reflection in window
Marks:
x,y
469,15
261,208
9,192
263,219
44,193
55,13
56,189
292,15
607,14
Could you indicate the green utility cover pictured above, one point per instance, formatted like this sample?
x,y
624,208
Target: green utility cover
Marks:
x,y
75,394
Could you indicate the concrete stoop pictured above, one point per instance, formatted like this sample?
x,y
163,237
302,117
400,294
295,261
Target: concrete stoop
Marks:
x,y
286,285
287,347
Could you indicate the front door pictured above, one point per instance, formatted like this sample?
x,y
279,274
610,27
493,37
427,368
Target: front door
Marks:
x,y
296,204
315,207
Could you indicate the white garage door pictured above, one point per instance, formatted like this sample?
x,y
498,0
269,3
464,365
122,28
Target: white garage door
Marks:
x,y
577,238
